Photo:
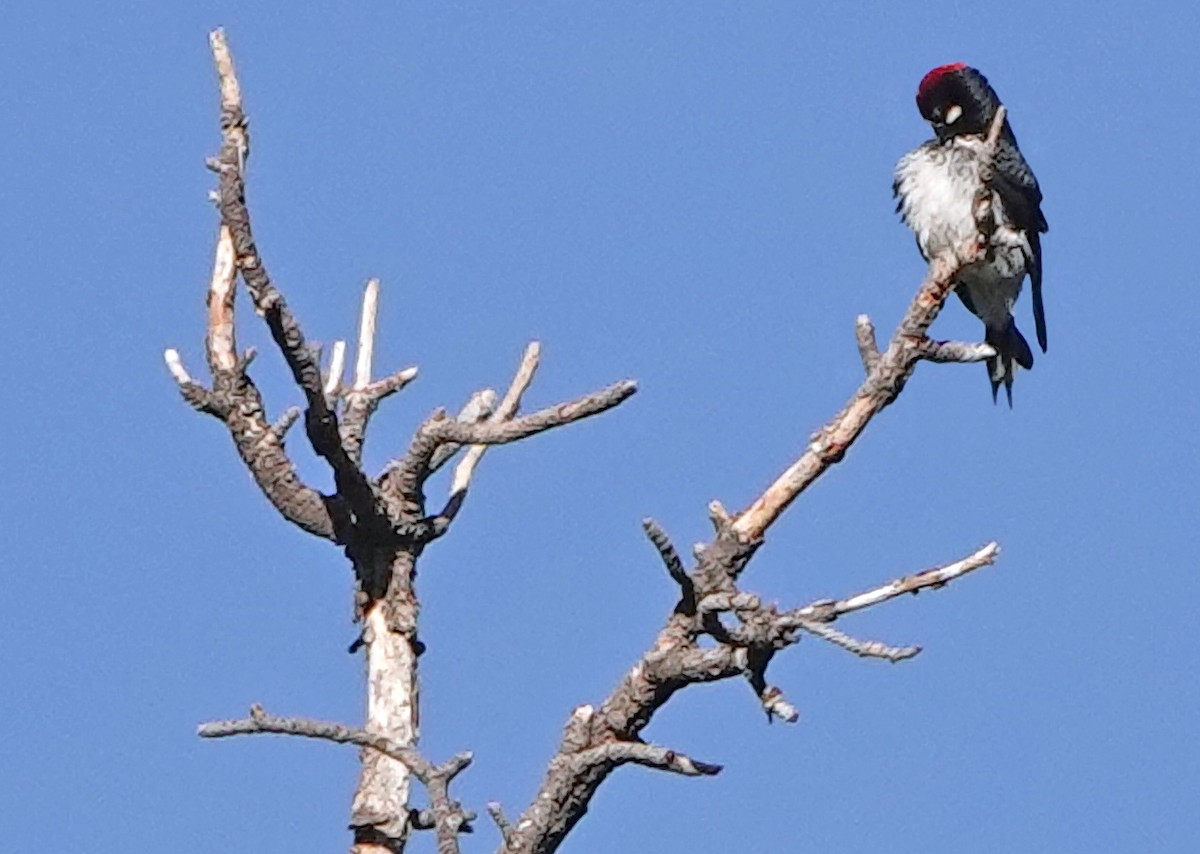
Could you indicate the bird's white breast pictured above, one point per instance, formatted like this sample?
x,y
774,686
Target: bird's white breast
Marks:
x,y
936,185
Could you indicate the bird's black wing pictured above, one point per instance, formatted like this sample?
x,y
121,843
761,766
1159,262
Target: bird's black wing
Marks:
x,y
1022,197
1018,188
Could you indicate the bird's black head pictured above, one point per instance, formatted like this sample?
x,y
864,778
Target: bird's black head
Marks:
x,y
956,99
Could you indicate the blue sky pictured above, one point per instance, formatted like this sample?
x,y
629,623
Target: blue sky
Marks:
x,y
696,195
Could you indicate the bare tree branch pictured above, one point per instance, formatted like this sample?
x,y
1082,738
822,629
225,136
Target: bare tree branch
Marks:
x,y
260,722
321,422
829,610
448,817
985,215
955,351
865,649
364,396
196,395
175,366
236,401
366,335
502,823
616,753
883,384
675,660
285,421
514,429
337,367
406,476
868,348
670,557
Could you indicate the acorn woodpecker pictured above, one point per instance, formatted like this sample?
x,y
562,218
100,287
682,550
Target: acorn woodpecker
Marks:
x,y
936,186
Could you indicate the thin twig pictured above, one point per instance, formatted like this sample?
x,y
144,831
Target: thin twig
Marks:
x,y
864,649
513,430
366,335
827,611
666,551
955,351
196,395
364,396
405,477
285,421
868,348
505,826
175,366
984,207
997,127
260,722
648,755
337,367
719,516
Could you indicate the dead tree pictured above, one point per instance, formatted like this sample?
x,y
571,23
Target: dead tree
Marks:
x,y
383,525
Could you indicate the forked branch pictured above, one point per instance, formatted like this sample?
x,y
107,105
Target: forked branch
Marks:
x,y
380,521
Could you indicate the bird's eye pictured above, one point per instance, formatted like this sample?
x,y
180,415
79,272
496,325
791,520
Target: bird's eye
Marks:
x,y
953,113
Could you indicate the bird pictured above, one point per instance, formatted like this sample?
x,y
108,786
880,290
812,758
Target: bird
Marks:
x,y
936,187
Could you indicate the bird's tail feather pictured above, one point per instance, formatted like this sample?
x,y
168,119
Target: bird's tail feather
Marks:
x,y
1010,346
